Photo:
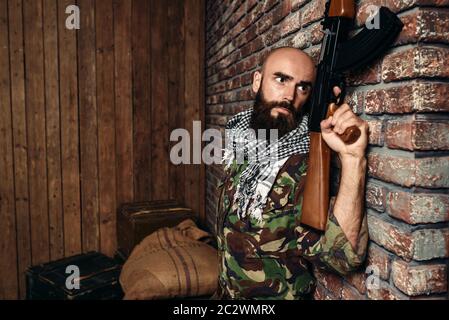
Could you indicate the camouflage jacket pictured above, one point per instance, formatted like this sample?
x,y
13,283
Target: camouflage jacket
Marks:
x,y
273,259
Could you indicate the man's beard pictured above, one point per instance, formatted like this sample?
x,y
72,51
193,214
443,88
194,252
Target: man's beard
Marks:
x,y
262,118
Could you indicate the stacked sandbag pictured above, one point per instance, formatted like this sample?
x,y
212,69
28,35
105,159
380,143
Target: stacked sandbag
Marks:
x,y
171,263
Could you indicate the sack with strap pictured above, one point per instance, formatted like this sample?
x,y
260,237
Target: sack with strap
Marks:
x,y
171,263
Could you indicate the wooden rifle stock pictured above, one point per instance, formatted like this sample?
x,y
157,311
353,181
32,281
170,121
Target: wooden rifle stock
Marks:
x,y
316,190
316,195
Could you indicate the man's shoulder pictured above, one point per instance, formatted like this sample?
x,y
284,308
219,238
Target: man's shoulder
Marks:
x,y
294,168
296,160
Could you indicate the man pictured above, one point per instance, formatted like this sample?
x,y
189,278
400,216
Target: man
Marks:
x,y
265,253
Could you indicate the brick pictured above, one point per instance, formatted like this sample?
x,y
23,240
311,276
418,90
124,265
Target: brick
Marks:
x,y
391,237
319,293
272,37
301,39
269,4
430,135
350,293
246,36
234,109
418,208
212,100
391,169
314,53
379,261
367,75
264,23
415,97
233,84
385,292
355,98
375,196
250,4
416,62
430,97
394,5
433,25
425,25
229,96
291,24
246,79
229,10
296,4
432,172
214,109
416,280
316,33
376,136
358,281
418,135
363,12
251,63
281,11
430,244
217,120
245,94
422,172
419,245
237,15
313,11
332,282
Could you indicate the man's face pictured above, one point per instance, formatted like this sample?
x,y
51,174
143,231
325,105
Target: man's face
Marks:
x,y
283,87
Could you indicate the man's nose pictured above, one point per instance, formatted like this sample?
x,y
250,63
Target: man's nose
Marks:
x,y
289,93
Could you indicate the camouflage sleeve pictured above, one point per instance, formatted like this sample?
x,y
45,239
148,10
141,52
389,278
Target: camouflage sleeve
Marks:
x,y
332,250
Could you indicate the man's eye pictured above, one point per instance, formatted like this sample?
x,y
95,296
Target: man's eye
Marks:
x,y
302,88
280,79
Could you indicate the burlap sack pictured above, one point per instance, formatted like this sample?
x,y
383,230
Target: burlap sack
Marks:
x,y
170,263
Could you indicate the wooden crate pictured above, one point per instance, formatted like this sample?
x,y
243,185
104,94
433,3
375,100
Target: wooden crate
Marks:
x,y
98,279
135,221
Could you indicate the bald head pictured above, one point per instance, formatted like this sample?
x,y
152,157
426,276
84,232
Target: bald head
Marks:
x,y
288,53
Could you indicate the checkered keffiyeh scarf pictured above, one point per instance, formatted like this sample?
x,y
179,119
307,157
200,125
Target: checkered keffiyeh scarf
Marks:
x,y
264,160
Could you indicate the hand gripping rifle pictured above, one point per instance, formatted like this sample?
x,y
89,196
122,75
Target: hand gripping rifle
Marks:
x,y
338,54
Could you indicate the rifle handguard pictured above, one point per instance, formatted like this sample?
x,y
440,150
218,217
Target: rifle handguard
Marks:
x,y
351,134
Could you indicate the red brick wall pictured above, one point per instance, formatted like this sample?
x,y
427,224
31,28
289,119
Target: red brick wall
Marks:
x,y
404,98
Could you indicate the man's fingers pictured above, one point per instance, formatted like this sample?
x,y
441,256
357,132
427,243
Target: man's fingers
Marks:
x,y
341,120
342,126
337,91
343,109
326,125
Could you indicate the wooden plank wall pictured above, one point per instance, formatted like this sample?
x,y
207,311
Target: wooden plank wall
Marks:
x,y
85,121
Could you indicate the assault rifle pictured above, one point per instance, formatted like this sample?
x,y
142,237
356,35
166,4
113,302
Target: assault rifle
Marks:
x,y
338,54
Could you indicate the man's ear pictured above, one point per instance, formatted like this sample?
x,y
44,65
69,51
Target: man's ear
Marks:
x,y
257,79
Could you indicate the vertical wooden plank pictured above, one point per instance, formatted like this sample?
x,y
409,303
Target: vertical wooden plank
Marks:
x,y
55,212
68,95
194,178
8,249
160,157
202,103
176,89
141,57
123,100
88,127
19,140
106,124
37,149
